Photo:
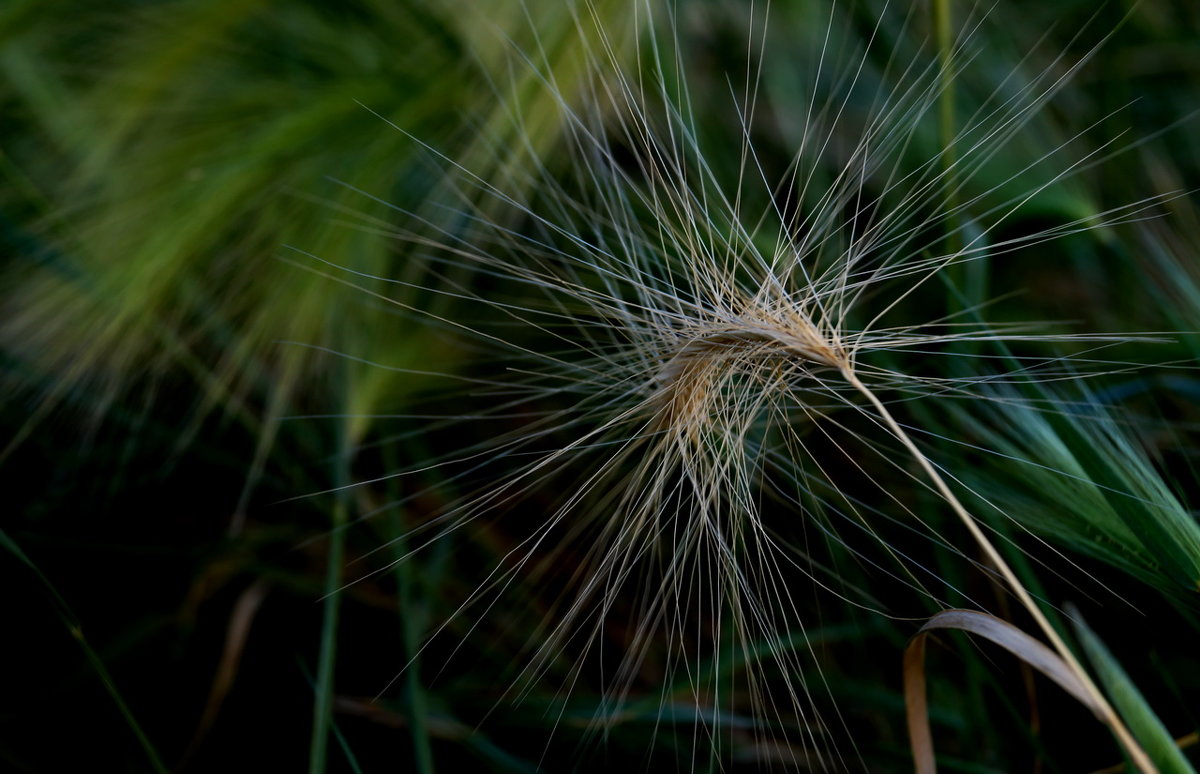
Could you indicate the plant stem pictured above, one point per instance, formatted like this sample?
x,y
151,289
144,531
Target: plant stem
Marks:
x,y
417,706
326,659
93,658
945,46
1108,715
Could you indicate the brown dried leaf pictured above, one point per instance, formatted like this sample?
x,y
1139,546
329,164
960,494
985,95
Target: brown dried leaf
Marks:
x,y
240,619
993,629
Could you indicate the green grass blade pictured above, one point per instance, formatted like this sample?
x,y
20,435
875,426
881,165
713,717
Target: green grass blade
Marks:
x,y
417,705
93,658
327,657
1077,477
1149,730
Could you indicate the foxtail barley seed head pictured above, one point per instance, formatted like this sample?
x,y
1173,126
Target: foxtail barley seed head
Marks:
x,y
711,399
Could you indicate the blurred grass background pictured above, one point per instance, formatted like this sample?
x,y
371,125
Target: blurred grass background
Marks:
x,y
172,381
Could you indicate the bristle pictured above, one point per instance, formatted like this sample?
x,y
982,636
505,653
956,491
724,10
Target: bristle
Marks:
x,y
695,332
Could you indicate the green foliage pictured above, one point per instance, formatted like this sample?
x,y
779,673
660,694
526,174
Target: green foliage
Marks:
x,y
1072,473
293,291
1141,718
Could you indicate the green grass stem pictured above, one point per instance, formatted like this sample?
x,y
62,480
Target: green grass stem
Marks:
x,y
1145,725
412,626
93,658
327,657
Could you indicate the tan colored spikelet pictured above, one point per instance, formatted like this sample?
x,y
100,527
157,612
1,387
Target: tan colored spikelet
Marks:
x,y
690,337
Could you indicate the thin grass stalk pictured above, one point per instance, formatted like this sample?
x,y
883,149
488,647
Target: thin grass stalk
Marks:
x,y
351,758
263,446
1110,717
967,281
327,657
93,658
406,604
1159,744
942,18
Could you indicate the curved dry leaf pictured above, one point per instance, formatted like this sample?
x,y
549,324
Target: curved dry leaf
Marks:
x,y
240,619
993,629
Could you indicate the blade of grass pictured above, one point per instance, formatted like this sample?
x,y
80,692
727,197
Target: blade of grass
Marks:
x,y
240,620
411,624
1100,493
1145,725
1000,632
94,661
417,706
945,46
351,758
323,689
